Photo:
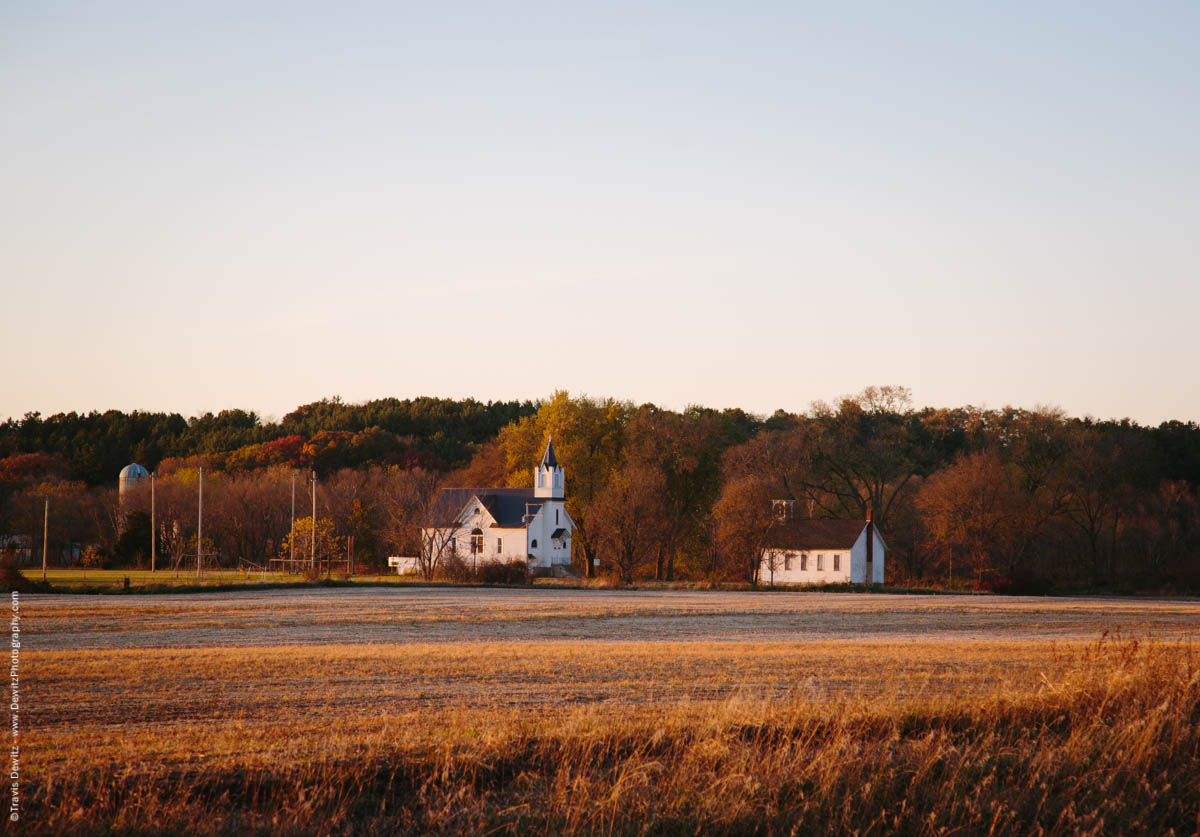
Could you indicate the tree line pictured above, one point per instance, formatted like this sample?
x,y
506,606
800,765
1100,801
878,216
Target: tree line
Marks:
x,y
92,448
1008,499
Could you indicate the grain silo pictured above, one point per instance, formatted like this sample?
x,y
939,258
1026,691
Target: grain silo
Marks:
x,y
131,475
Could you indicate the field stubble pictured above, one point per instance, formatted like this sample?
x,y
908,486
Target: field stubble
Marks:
x,y
615,736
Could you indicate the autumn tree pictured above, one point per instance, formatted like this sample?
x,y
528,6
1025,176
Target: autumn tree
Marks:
x,y
864,456
589,438
1101,476
329,547
1164,536
744,521
976,511
684,449
629,519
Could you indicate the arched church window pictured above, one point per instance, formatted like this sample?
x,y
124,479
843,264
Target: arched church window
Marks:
x,y
476,541
533,545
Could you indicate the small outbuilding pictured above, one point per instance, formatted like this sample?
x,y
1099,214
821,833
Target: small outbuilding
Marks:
x,y
808,551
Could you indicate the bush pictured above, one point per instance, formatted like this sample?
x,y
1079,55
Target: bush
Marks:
x,y
494,572
1022,583
93,558
11,578
453,568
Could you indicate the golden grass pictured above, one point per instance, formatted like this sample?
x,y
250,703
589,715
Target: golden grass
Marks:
x,y
617,737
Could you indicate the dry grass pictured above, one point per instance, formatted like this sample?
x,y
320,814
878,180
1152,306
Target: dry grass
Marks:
x,y
455,615
618,737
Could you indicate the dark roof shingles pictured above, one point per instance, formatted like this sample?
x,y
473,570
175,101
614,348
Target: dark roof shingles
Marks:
x,y
816,534
507,505
549,460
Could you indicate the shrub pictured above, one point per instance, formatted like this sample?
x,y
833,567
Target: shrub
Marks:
x,y
454,568
93,558
1022,583
494,572
11,578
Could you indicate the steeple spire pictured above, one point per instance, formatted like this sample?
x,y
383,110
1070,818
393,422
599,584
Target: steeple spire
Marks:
x,y
549,460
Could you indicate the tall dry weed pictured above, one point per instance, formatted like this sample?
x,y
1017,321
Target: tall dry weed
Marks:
x,y
1108,744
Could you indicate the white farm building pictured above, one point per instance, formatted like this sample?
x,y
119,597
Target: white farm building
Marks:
x,y
509,524
808,551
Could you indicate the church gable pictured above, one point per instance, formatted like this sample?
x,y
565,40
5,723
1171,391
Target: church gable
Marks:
x,y
508,507
509,523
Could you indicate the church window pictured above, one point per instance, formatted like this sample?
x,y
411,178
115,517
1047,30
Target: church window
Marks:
x,y
803,562
476,541
837,562
499,545
820,563
556,517
534,544
787,562
541,478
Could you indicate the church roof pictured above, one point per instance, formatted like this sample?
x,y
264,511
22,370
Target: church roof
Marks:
x,y
507,505
549,460
809,534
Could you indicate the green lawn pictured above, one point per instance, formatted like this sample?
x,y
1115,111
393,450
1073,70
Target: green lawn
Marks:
x,y
77,577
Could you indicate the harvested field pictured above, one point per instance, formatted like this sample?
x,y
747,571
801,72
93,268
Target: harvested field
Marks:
x,y
368,711
388,616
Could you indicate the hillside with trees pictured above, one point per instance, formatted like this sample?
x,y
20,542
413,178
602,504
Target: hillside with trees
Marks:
x,y
1009,499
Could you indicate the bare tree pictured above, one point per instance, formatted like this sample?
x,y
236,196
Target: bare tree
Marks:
x,y
413,522
772,562
439,546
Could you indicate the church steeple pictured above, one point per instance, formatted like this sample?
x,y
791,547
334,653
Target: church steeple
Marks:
x,y
548,477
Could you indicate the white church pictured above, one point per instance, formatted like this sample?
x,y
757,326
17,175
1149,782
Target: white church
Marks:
x,y
510,524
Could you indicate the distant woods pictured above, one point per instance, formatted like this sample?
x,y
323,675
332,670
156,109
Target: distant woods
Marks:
x,y
1012,500
326,435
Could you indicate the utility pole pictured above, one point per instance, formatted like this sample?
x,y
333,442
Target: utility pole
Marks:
x,y
313,554
153,530
45,536
200,523
292,537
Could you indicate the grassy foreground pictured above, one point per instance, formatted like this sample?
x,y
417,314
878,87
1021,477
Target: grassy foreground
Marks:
x,y
1095,738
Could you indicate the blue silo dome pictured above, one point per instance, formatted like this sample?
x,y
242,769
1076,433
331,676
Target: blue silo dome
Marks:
x,y
133,472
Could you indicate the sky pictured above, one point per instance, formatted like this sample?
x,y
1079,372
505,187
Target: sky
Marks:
x,y
258,205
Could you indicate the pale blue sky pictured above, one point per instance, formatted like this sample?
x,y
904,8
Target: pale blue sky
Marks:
x,y
259,205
